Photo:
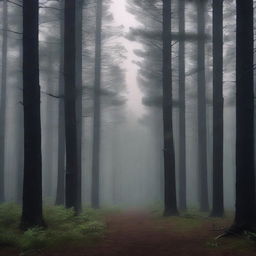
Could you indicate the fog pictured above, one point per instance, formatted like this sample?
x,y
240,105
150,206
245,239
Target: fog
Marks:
x,y
131,132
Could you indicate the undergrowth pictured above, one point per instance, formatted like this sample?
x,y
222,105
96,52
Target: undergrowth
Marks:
x,y
62,226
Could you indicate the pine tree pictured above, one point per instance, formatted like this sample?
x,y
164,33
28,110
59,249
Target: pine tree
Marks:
x,y
201,94
182,113
32,186
169,157
218,207
79,87
3,100
60,193
245,214
96,109
73,198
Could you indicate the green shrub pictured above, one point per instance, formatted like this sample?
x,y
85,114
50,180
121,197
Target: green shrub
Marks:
x,y
60,237
92,227
34,238
62,226
90,215
9,239
9,214
57,215
213,244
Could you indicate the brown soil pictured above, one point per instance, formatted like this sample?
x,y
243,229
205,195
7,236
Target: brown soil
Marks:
x,y
140,234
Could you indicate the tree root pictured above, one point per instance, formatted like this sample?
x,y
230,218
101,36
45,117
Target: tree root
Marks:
x,y
233,231
227,233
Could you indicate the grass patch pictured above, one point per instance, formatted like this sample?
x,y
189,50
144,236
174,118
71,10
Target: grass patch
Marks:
x,y
185,222
179,223
240,244
188,221
62,226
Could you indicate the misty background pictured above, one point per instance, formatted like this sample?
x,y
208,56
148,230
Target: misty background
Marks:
x,y
131,150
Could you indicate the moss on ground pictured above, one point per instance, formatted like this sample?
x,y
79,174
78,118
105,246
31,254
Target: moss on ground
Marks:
x,y
65,228
62,226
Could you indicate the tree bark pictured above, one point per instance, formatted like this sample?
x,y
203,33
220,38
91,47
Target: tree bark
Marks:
x,y
245,215
3,101
20,142
182,109
47,138
169,157
201,92
79,86
95,200
32,187
72,171
60,194
218,206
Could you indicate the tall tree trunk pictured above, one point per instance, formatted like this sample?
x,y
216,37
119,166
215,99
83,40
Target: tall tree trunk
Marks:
x,y
201,83
169,158
182,115
3,100
72,171
218,207
115,134
79,86
20,142
97,113
32,186
245,215
60,194
47,142
20,159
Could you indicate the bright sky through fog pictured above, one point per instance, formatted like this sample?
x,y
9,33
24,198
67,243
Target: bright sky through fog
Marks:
x,y
122,17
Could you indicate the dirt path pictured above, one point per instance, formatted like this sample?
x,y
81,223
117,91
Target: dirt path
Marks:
x,y
138,234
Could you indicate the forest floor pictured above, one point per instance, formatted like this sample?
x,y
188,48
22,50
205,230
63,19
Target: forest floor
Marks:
x,y
144,234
